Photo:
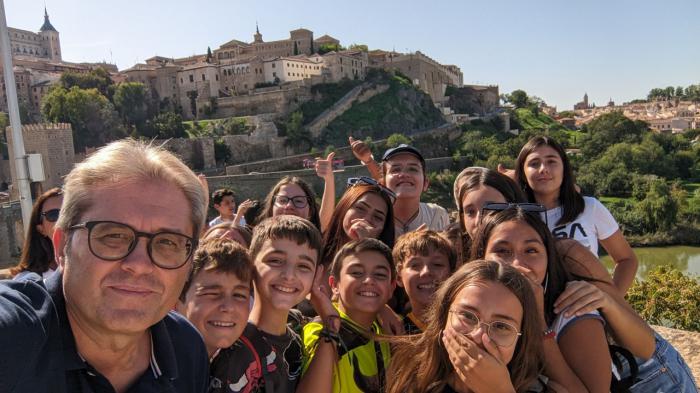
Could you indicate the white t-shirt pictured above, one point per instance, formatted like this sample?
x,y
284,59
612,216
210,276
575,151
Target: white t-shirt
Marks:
x,y
434,216
593,224
562,323
218,220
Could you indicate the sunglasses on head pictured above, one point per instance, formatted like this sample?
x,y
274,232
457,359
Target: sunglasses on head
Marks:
x,y
526,207
50,215
368,181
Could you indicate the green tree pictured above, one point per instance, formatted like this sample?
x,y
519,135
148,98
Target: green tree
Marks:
x,y
325,48
659,210
360,47
607,130
396,139
163,126
91,115
192,95
518,98
222,153
130,102
209,55
296,49
98,79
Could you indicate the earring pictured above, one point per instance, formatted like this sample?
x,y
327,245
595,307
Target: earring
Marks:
x,y
546,281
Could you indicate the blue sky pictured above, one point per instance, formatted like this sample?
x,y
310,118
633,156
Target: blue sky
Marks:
x,y
554,49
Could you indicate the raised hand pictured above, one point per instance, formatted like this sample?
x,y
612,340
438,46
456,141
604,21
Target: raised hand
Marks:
x,y
507,171
360,150
244,206
321,298
360,229
324,168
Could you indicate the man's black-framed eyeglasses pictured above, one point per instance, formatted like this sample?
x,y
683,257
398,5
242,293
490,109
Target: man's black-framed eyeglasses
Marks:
x,y
112,241
535,208
365,180
298,201
51,215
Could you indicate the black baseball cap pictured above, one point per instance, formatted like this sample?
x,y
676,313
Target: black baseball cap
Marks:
x,y
403,148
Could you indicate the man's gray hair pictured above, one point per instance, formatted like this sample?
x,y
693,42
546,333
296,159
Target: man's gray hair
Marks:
x,y
125,162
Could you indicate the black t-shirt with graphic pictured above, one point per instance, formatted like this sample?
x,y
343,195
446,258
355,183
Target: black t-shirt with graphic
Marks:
x,y
258,359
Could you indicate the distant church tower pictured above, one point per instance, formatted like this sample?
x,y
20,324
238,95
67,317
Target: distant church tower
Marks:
x,y
257,37
585,100
51,43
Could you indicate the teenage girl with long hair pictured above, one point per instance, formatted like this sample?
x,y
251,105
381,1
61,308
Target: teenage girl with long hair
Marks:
x,y
482,334
544,173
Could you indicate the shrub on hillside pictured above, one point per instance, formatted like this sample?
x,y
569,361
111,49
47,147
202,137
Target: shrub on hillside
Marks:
x,y
667,297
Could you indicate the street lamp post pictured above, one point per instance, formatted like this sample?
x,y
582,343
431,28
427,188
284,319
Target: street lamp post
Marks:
x,y
22,176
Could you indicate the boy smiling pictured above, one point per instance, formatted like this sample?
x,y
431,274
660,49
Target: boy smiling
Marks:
x,y
285,250
344,357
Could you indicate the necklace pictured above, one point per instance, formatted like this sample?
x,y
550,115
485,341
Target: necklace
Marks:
x,y
405,224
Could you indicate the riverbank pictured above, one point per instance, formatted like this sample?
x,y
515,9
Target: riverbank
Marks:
x,y
681,235
687,343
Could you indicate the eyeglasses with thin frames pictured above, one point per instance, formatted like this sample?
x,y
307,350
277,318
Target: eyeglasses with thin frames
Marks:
x,y
503,334
364,180
113,241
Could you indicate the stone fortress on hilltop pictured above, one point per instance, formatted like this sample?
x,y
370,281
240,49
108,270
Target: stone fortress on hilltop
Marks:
x,y
38,64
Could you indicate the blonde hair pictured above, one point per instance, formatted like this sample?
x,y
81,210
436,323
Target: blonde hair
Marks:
x,y
125,162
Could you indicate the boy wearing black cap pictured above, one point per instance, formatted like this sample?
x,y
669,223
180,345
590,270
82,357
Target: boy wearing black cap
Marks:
x,y
403,171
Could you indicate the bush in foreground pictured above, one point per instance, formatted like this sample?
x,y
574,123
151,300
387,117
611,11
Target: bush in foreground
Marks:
x,y
667,297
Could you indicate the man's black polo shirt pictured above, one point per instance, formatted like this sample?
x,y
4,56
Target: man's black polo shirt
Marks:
x,y
38,353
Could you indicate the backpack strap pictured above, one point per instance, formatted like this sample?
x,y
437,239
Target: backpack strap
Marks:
x,y
623,385
259,347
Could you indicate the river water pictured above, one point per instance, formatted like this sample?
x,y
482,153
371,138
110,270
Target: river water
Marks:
x,y
683,258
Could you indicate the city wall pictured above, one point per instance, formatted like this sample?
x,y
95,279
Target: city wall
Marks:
x,y
11,233
197,153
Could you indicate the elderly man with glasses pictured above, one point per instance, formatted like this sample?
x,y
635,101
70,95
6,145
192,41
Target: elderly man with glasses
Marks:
x,y
129,223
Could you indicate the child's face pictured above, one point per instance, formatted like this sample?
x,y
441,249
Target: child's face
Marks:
x,y
291,190
421,275
492,303
404,176
285,272
473,201
226,207
518,244
366,218
364,284
218,305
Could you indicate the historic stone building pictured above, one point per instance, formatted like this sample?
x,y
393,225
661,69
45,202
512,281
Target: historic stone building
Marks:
x,y
426,73
38,64
45,44
55,144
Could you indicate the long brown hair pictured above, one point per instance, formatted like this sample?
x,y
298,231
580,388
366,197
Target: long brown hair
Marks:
x,y
421,364
37,252
335,237
557,275
269,201
571,201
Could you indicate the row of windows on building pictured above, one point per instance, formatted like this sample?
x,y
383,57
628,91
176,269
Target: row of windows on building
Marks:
x,y
297,65
31,51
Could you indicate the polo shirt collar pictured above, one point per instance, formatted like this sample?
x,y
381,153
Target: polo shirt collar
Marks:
x,y
162,362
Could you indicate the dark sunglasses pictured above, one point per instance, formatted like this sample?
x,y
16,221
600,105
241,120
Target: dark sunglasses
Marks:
x,y
368,181
50,215
539,210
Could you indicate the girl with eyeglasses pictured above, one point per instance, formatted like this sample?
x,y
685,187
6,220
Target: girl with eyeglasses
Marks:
x,y
37,253
482,334
293,196
546,176
572,306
